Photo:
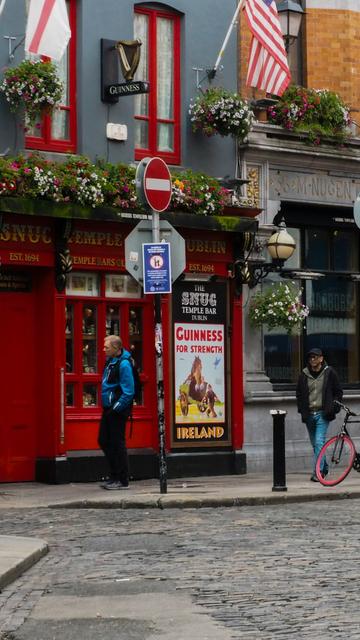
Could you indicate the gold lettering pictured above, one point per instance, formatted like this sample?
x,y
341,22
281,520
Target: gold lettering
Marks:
x,y
5,233
25,233
197,433
206,246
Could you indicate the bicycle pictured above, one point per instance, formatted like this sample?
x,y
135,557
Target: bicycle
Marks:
x,y
339,453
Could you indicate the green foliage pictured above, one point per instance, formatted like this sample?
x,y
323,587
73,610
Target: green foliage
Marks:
x,y
34,86
319,113
279,306
196,193
103,184
219,111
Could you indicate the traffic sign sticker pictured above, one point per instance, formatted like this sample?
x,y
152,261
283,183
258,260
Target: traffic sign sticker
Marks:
x,y
157,267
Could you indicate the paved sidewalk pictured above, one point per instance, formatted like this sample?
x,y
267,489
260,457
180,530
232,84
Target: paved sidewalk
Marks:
x,y
213,491
17,554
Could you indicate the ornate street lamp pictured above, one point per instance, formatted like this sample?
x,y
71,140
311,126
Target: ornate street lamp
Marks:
x,y
290,16
281,245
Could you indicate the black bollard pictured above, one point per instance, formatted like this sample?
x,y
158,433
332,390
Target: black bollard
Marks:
x,y
279,473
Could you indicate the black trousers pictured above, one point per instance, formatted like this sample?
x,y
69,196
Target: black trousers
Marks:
x,y
112,441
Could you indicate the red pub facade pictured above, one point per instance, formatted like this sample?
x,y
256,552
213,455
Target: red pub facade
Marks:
x,y
52,338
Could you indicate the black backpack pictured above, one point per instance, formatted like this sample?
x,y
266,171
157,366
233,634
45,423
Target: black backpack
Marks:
x,y
137,381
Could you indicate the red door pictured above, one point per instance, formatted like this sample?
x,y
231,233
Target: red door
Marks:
x,y
18,402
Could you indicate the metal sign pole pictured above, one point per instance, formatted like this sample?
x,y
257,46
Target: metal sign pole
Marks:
x,y
159,368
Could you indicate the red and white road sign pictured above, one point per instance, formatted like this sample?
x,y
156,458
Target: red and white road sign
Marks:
x,y
157,184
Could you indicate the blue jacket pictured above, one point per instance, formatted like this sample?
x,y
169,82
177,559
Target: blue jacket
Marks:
x,y
117,386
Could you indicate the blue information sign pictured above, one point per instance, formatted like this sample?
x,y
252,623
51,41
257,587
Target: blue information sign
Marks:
x,y
157,267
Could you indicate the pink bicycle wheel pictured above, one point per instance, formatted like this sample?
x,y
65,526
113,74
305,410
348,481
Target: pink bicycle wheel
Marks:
x,y
335,460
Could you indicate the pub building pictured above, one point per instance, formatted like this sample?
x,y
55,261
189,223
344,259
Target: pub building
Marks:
x,y
63,288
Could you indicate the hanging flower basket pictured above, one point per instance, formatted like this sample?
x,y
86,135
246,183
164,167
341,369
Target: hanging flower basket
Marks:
x,y
32,86
279,306
318,114
222,112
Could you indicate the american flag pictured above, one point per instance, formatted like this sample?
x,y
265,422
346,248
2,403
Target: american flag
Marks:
x,y
268,65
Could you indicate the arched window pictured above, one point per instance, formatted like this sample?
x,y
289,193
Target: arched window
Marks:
x,y
157,114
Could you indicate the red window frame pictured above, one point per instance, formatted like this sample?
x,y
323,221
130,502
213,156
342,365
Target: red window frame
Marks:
x,y
151,118
45,142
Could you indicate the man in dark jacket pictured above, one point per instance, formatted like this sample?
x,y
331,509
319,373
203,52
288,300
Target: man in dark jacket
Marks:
x,y
117,393
317,388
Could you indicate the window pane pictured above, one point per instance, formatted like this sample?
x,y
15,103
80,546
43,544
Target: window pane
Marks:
x,y
317,249
112,320
136,341
69,335
333,324
121,286
60,129
165,139
282,355
70,401
345,251
89,349
165,66
141,134
82,284
90,395
141,28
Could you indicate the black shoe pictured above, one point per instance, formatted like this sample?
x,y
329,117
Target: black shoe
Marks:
x,y
113,485
314,478
324,473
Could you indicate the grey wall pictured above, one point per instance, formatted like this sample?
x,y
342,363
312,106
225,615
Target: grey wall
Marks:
x,y
204,25
12,23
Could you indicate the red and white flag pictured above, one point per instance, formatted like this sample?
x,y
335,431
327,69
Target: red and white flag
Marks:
x,y
268,66
47,31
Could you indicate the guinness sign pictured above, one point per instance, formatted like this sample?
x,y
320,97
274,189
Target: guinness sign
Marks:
x,y
128,52
128,88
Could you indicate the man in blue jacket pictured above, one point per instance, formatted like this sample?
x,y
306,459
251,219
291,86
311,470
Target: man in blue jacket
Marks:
x,y
117,393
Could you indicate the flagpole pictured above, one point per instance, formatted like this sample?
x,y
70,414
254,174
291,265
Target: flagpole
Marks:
x,y
212,72
2,5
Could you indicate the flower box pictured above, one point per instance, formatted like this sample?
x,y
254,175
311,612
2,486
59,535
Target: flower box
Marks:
x,y
244,212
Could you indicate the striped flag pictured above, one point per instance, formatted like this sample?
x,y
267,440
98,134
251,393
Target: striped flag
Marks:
x,y
47,30
268,66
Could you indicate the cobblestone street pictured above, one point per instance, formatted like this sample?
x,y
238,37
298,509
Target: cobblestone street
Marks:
x,y
274,572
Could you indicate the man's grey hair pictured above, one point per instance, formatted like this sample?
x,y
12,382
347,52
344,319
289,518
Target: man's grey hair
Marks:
x,y
115,341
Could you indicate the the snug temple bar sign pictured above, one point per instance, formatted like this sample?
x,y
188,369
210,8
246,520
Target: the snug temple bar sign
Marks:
x,y
310,187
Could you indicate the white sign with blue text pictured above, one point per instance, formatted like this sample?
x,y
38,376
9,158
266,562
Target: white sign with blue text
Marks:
x,y
157,267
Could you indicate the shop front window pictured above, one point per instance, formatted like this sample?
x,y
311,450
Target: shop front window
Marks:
x,y
99,306
333,299
89,330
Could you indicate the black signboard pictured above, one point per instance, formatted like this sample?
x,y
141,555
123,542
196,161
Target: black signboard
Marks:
x,y
200,408
11,281
127,89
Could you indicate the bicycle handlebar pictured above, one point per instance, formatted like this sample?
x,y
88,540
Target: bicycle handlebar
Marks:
x,y
345,408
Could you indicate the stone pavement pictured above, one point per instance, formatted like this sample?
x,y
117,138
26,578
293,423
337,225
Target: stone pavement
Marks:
x,y
19,553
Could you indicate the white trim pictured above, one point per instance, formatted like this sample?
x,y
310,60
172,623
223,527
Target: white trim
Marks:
x,y
157,184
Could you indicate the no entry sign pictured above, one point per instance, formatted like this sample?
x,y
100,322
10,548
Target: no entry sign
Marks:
x,y
153,181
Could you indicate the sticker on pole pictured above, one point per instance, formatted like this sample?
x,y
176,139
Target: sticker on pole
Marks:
x,y
157,184
157,267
